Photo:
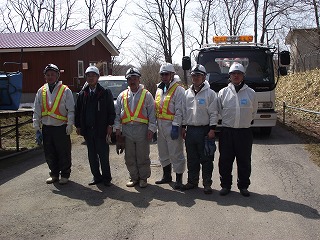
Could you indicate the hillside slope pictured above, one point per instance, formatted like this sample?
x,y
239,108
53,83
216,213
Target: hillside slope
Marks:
x,y
301,90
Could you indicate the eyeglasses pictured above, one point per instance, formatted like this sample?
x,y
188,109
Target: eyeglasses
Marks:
x,y
165,74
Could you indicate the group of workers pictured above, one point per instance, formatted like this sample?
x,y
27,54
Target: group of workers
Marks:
x,y
180,117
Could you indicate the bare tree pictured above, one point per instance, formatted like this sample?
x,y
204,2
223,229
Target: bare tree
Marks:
x,y
92,8
237,12
157,25
35,16
255,26
271,14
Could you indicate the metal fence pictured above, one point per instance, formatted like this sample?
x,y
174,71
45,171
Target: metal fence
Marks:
x,y
284,105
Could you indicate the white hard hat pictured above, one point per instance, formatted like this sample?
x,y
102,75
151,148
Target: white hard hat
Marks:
x,y
237,67
52,67
198,69
132,72
167,67
93,69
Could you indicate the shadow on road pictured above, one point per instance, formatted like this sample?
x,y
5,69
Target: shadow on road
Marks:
x,y
143,198
17,165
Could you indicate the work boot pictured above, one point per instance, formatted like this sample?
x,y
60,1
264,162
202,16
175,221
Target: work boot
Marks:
x,y
63,180
143,183
207,189
52,179
188,186
178,184
244,192
166,178
132,183
224,191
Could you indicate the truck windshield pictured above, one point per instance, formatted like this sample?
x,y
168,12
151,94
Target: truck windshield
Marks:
x,y
257,62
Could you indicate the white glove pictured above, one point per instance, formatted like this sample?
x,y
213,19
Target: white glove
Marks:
x,y
69,129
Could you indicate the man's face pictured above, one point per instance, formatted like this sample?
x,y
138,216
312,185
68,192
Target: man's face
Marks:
x,y
51,76
236,77
92,79
166,77
197,79
133,83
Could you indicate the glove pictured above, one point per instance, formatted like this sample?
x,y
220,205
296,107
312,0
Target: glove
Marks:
x,y
69,129
174,132
39,137
120,144
209,147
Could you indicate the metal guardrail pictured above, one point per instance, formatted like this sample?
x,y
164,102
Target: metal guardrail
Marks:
x,y
295,108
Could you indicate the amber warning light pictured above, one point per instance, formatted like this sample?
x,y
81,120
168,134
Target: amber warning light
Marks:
x,y
243,38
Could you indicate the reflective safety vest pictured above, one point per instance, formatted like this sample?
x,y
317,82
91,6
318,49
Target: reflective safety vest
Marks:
x,y
53,111
163,112
137,115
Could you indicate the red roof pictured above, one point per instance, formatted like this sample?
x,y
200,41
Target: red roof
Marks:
x,y
53,39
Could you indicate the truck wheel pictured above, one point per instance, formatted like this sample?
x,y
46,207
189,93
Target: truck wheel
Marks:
x,y
265,131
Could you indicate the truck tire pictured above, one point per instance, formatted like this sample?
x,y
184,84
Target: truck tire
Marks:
x,y
265,131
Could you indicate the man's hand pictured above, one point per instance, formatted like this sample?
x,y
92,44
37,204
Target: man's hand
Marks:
x,y
69,129
39,137
174,132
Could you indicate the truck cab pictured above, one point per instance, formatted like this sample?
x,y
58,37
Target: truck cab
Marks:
x,y
260,65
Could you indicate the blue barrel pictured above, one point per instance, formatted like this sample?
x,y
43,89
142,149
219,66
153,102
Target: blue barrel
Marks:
x,y
10,90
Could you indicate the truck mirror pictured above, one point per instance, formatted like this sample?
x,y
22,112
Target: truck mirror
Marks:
x,y
285,58
186,63
283,71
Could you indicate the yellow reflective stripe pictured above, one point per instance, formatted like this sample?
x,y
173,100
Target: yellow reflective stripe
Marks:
x,y
164,113
135,117
56,103
126,108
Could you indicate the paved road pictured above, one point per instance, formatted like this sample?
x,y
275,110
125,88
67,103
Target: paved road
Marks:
x,y
285,200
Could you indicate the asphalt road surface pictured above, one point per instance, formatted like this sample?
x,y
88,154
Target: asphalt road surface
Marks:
x,y
284,201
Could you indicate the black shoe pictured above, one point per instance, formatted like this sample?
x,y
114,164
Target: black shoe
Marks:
x,y
244,192
107,183
188,186
207,189
224,191
94,182
164,180
177,185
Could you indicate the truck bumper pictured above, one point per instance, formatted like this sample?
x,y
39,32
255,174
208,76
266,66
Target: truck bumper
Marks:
x,y
265,119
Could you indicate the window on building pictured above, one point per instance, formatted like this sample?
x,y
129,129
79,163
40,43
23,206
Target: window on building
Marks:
x,y
105,68
80,69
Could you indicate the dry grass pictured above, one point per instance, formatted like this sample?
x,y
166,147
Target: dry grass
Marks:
x,y
302,90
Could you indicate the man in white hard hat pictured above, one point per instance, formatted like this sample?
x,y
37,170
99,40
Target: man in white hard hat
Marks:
x,y
237,105
169,98
94,117
135,116
199,122
53,119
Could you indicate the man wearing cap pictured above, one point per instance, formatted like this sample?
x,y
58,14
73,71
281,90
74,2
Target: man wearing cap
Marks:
x,y
200,117
169,98
237,105
53,118
94,117
135,116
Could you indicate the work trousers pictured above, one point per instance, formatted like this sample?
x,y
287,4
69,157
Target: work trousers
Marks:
x,y
195,139
137,151
235,143
98,154
57,150
170,151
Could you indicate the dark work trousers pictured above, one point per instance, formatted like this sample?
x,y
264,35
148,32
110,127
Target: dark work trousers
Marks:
x,y
57,150
195,155
98,154
235,143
